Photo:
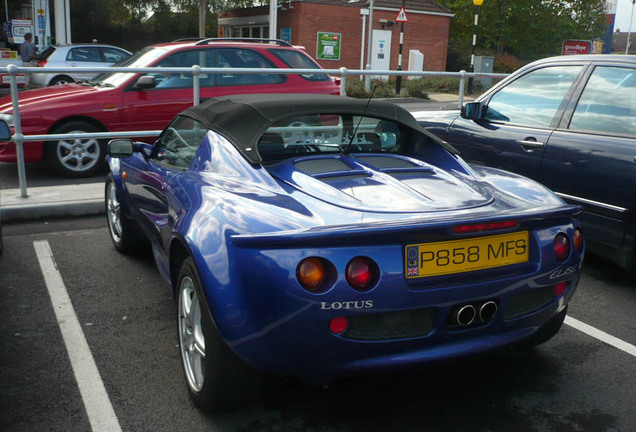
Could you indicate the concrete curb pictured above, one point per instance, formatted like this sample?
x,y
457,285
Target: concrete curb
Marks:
x,y
52,201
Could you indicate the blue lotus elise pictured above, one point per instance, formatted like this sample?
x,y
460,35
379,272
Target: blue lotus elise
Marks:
x,y
317,236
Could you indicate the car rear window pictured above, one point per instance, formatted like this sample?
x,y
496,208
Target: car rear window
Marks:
x,y
328,134
298,60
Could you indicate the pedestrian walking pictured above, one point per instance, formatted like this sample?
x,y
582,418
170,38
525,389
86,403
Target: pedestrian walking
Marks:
x,y
27,53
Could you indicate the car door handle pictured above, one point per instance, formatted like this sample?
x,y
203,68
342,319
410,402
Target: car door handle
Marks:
x,y
530,144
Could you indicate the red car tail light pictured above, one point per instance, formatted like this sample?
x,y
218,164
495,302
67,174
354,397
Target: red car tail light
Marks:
x,y
362,273
578,240
561,246
560,288
489,226
41,63
315,274
338,325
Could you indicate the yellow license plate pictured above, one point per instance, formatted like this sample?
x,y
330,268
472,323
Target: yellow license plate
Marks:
x,y
458,256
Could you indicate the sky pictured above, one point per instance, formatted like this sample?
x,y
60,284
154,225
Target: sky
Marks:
x,y
623,12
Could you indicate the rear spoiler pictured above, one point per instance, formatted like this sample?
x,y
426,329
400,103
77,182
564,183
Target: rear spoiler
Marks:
x,y
394,232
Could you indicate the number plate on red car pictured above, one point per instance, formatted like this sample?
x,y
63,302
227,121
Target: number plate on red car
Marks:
x,y
458,256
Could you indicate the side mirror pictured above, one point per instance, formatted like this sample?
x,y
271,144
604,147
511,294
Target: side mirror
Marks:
x,y
472,111
121,148
146,82
5,132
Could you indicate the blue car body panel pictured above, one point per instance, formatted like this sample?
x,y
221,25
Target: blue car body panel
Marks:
x,y
248,226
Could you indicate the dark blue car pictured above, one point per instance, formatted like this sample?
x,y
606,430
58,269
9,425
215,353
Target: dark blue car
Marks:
x,y
318,236
569,123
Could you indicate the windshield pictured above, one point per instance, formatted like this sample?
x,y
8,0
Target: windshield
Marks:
x,y
330,133
143,58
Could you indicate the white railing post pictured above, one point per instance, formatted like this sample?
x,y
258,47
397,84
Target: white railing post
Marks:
x,y
196,84
18,137
343,81
462,85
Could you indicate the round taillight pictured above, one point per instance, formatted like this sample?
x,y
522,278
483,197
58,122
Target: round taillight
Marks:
x,y
578,240
362,273
311,274
338,325
561,246
560,288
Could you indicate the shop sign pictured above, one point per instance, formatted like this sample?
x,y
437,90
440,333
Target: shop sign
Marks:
x,y
328,46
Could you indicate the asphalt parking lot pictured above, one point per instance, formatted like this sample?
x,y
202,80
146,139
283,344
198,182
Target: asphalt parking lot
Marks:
x,y
578,381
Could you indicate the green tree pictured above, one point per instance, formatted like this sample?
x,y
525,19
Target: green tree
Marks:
x,y
528,29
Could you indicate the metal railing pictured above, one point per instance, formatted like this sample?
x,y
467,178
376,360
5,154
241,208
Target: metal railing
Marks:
x,y
19,139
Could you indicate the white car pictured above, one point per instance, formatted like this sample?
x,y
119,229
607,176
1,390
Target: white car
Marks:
x,y
84,55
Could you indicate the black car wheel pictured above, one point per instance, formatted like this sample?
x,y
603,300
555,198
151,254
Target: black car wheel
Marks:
x,y
76,157
61,80
217,379
123,233
547,331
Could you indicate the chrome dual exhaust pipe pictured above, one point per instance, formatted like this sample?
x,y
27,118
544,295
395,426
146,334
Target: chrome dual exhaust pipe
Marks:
x,y
467,314
487,311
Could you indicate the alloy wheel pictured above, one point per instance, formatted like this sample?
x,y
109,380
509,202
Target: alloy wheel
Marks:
x,y
191,338
114,213
78,155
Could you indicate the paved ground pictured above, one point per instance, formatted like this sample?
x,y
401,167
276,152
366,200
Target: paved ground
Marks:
x,y
573,383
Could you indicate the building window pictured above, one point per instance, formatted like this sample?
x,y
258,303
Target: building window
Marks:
x,y
253,32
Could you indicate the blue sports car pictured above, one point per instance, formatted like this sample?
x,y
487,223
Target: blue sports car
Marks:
x,y
317,236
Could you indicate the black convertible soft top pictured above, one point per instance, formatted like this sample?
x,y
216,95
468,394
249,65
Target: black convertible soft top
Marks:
x,y
242,119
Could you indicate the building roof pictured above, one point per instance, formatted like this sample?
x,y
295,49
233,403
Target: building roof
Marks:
x,y
415,5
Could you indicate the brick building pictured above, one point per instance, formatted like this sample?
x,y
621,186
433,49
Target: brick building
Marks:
x,y
331,30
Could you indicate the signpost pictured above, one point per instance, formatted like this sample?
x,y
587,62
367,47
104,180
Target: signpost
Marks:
x,y
401,18
574,47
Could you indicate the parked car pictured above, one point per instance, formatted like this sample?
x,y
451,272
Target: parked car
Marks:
x,y
316,236
70,56
570,123
147,102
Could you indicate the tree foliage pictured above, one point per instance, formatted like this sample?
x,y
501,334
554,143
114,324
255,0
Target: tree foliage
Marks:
x,y
526,28
133,24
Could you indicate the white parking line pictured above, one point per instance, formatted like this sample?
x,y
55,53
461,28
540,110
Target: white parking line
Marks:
x,y
601,335
98,407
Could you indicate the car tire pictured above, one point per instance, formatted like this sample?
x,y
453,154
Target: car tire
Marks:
x,y
547,331
122,230
61,80
217,379
76,157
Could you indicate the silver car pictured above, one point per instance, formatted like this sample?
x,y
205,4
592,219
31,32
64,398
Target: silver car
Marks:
x,y
83,55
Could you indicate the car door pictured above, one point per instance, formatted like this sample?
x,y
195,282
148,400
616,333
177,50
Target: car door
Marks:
x,y
151,184
236,83
153,108
590,159
517,120
111,55
84,57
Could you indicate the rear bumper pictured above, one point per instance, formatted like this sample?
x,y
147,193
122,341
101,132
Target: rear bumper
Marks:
x,y
278,327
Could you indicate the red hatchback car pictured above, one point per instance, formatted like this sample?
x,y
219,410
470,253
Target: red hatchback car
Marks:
x,y
136,102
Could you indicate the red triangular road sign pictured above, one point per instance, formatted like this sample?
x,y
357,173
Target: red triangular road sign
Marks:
x,y
401,16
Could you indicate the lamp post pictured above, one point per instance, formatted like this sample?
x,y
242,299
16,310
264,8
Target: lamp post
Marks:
x,y
629,31
477,4
367,78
